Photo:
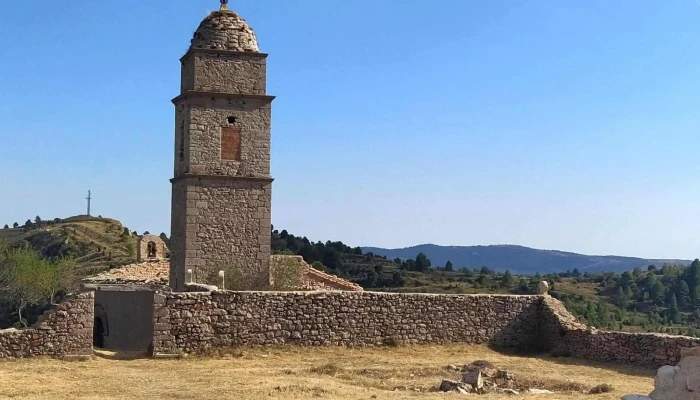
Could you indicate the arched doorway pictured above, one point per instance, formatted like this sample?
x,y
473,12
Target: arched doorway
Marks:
x,y
98,333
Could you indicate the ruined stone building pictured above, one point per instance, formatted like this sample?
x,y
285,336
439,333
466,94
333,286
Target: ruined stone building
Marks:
x,y
151,248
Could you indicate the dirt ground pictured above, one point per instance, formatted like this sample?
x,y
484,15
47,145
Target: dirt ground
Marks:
x,y
306,373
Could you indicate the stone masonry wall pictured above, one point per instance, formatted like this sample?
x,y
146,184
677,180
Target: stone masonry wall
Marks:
x,y
227,227
564,335
192,322
222,72
63,331
203,153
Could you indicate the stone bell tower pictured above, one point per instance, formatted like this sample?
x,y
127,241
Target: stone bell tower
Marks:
x,y
222,186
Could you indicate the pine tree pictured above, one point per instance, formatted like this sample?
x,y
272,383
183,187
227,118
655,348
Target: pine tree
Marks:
x,y
657,292
448,266
523,285
422,262
674,313
682,293
692,278
622,299
507,280
398,279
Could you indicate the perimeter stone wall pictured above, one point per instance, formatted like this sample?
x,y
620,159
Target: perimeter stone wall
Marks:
x,y
193,322
63,331
564,335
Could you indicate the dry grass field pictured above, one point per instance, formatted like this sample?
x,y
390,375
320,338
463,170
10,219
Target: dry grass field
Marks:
x,y
305,373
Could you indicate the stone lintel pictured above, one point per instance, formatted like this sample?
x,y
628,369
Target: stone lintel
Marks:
x,y
190,94
265,179
195,50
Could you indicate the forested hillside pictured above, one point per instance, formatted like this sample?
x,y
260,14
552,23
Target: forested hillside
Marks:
x,y
664,298
520,259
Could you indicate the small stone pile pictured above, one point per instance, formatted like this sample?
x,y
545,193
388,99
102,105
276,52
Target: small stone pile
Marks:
x,y
482,377
681,382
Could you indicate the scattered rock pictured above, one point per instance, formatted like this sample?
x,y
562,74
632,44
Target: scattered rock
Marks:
x,y
604,388
539,391
488,370
509,391
448,385
453,367
462,390
505,375
636,397
473,377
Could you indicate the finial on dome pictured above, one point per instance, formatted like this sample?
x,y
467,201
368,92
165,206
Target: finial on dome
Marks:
x,y
224,5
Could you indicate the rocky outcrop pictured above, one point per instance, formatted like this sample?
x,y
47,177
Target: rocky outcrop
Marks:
x,y
64,331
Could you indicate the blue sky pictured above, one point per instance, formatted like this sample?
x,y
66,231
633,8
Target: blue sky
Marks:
x,y
550,124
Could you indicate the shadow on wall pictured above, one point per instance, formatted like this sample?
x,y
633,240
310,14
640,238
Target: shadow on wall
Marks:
x,y
100,326
123,319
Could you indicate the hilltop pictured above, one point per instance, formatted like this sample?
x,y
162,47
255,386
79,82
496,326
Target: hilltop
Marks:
x,y
519,259
95,243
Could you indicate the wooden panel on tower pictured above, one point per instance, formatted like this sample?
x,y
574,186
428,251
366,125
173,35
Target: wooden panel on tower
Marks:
x,y
230,144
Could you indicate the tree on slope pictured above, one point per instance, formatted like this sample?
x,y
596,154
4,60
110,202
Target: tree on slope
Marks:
x,y
507,280
422,262
28,280
692,278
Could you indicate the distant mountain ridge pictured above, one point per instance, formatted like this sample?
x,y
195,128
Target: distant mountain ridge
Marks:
x,y
519,259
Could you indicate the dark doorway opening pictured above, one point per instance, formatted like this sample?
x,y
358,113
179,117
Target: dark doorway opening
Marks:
x,y
152,250
98,333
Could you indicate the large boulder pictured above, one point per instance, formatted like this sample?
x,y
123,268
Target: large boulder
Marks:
x,y
663,383
681,382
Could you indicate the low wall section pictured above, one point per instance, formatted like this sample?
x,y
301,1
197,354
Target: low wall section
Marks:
x,y
193,322
65,330
564,335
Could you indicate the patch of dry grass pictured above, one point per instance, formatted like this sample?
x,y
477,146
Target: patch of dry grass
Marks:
x,y
307,373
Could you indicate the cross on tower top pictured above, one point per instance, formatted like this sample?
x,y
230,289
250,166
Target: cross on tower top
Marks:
x,y
224,5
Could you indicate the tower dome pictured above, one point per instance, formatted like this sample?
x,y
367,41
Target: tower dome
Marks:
x,y
225,30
